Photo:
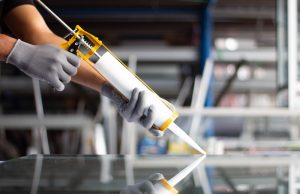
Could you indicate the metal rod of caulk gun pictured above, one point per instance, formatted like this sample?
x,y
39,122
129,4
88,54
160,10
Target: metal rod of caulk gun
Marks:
x,y
185,172
65,25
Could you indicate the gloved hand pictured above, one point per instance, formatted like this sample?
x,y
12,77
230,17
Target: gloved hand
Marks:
x,y
144,187
135,109
45,62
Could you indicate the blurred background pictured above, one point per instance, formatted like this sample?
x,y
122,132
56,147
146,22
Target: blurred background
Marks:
x,y
245,102
167,43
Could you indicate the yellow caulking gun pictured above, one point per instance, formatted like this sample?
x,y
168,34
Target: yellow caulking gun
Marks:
x,y
93,51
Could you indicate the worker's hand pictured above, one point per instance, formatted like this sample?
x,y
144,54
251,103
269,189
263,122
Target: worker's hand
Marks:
x,y
144,187
45,62
135,109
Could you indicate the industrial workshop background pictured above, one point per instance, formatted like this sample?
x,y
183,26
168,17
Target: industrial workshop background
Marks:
x,y
230,67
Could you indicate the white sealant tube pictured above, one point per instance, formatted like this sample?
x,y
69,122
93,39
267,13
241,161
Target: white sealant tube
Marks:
x,y
125,82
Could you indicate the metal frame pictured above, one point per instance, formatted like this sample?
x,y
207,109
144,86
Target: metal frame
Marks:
x,y
294,85
201,96
41,130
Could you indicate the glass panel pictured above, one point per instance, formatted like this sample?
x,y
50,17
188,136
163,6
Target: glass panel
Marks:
x,y
111,173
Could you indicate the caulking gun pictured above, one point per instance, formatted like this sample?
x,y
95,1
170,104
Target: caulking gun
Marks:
x,y
106,63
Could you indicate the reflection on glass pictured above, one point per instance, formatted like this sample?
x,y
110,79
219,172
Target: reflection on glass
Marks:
x,y
110,174
86,174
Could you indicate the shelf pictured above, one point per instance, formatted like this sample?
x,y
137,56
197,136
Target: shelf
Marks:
x,y
234,143
65,121
248,85
239,112
190,54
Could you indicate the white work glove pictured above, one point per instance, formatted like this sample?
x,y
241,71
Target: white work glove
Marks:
x,y
144,187
135,109
44,62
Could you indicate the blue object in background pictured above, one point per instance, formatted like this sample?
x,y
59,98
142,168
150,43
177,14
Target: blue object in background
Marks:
x,y
206,28
150,146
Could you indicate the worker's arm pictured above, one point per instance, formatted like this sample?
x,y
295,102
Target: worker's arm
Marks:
x,y
27,24
6,45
